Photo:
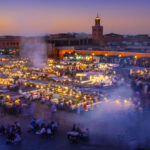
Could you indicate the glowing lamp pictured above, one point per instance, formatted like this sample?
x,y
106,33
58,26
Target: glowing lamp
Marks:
x,y
97,18
125,101
8,96
135,57
119,55
117,102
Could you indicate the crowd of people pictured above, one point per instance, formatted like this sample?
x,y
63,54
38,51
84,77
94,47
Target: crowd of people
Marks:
x,y
40,127
71,99
126,61
140,82
76,134
12,132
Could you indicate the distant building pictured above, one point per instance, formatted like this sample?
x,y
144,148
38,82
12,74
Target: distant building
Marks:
x,y
12,45
112,37
97,32
9,44
68,39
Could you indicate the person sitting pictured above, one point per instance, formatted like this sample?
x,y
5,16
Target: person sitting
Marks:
x,y
18,130
40,122
32,121
54,126
43,130
33,125
85,133
11,137
11,129
2,130
48,130
17,138
74,127
7,129
78,130
16,125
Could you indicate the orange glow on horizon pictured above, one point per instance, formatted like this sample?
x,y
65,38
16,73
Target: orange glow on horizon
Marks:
x,y
48,21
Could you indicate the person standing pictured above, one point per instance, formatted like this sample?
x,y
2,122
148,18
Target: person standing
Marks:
x,y
53,111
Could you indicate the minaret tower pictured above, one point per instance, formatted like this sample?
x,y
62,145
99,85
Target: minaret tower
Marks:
x,y
97,32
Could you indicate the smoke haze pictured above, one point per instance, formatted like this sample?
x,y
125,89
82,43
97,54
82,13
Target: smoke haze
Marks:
x,y
35,50
118,122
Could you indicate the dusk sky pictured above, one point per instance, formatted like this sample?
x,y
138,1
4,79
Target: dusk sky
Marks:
x,y
35,17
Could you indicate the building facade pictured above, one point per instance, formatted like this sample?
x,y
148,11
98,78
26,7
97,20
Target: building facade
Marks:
x,y
9,44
